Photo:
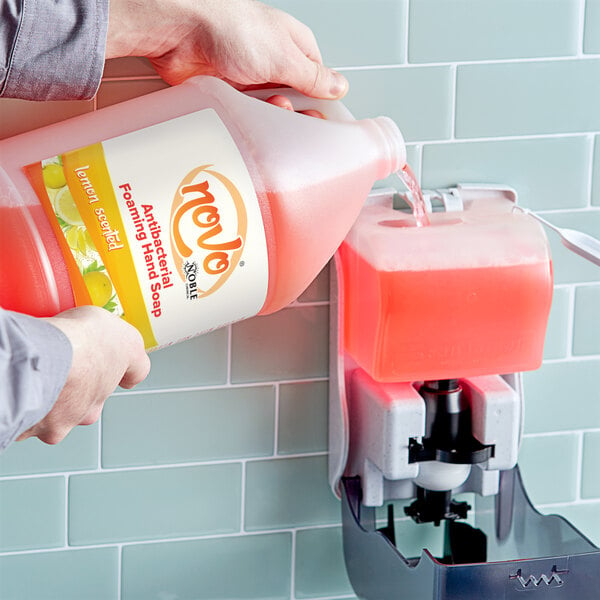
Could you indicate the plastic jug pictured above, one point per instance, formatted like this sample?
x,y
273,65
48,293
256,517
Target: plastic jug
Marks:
x,y
182,210
469,295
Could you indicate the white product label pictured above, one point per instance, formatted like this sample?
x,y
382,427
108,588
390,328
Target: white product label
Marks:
x,y
178,213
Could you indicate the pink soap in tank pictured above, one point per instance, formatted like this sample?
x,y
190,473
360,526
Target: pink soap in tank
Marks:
x,y
182,210
467,295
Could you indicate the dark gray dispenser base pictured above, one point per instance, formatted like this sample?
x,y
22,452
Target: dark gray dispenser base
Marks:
x,y
527,552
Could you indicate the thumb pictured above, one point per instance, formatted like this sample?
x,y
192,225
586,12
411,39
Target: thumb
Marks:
x,y
314,79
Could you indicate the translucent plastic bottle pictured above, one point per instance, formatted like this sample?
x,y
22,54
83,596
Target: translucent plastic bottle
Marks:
x,y
182,210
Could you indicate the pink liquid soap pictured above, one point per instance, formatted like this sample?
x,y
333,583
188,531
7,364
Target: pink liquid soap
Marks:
x,y
409,179
468,295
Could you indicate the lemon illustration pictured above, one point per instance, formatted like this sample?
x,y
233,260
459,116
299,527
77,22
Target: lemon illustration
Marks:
x,y
66,209
86,240
99,287
72,237
79,239
54,176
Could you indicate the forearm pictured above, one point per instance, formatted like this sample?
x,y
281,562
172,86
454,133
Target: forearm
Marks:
x,y
52,49
35,359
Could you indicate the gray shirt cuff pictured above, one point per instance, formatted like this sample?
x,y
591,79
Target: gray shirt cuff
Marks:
x,y
52,49
35,360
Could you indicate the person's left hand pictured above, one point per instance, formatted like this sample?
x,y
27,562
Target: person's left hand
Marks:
x,y
244,42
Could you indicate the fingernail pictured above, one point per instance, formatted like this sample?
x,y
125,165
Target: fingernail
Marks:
x,y
339,86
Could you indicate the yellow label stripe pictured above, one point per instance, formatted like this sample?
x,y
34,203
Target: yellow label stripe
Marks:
x,y
90,184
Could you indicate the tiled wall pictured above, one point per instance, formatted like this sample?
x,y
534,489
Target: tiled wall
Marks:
x,y
209,480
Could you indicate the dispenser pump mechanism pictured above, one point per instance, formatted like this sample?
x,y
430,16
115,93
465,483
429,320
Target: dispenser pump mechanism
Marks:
x,y
447,452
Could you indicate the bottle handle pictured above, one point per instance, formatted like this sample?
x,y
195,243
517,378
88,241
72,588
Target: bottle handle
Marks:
x,y
333,110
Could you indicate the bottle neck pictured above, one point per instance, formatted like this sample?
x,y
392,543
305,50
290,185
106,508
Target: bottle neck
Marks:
x,y
393,146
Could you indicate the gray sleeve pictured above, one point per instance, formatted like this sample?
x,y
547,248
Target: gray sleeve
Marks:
x,y
35,359
52,49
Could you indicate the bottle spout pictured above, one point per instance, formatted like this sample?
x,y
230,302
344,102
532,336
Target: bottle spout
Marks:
x,y
394,145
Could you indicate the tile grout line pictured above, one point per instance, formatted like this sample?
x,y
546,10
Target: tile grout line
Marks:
x,y
406,63
590,182
405,30
157,467
221,386
229,353
66,510
582,284
559,505
453,98
292,529
243,499
579,471
571,324
544,434
579,358
120,572
487,61
581,28
506,138
100,428
293,566
578,56
276,419
174,540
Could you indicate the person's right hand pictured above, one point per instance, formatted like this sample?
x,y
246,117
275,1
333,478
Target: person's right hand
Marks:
x,y
107,352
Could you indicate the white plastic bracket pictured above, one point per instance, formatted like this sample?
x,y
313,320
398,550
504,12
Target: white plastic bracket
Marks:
x,y
456,198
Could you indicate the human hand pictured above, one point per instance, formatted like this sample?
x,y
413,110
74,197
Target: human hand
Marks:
x,y
284,102
107,352
244,42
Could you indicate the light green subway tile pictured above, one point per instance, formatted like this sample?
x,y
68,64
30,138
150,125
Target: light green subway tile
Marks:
x,y
154,503
199,361
63,575
417,98
596,172
289,344
591,35
131,66
568,266
289,492
320,567
529,166
442,31
590,483
585,517
303,417
188,426
366,32
557,335
113,92
19,116
562,396
78,451
528,98
542,460
411,538
586,335
318,290
32,513
244,567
